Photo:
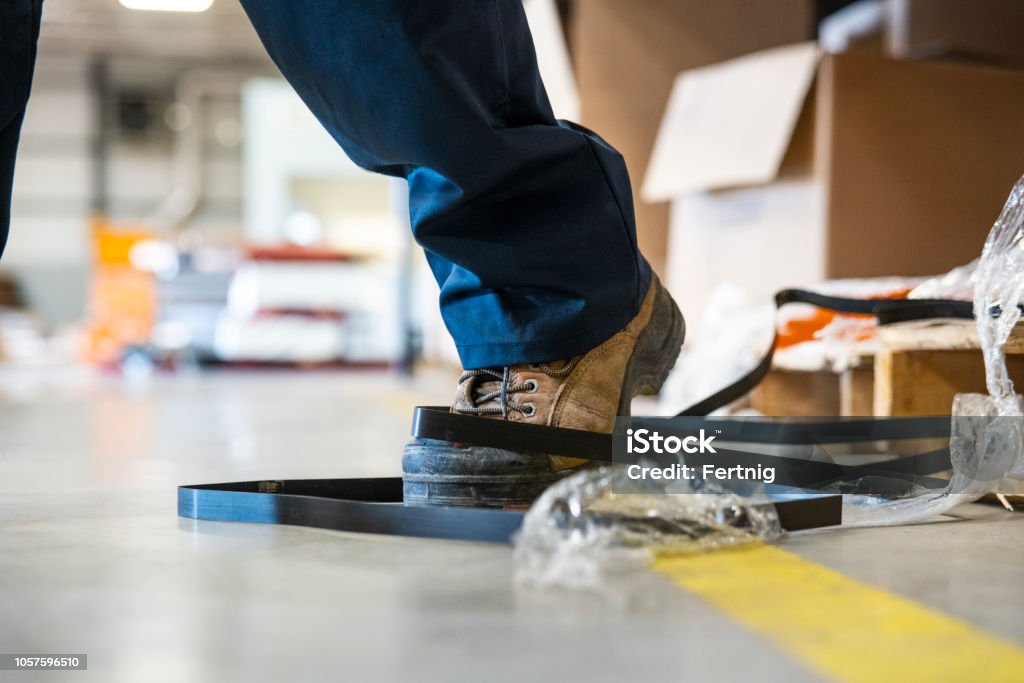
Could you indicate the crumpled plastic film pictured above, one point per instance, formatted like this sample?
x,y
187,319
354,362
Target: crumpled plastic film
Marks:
x,y
998,290
580,531
956,284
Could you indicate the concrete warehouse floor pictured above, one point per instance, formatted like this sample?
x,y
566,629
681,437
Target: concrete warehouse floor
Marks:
x,y
94,559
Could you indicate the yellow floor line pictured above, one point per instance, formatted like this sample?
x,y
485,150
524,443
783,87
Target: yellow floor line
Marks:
x,y
841,628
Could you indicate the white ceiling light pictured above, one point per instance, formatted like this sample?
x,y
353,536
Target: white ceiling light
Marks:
x,y
169,5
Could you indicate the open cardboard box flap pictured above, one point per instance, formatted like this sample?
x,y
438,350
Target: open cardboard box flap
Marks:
x,y
730,124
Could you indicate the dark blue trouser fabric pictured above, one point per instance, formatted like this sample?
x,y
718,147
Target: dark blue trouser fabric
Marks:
x,y
19,30
527,222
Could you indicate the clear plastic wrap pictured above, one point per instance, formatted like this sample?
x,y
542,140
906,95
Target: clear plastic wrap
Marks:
x,y
983,446
998,289
580,531
956,284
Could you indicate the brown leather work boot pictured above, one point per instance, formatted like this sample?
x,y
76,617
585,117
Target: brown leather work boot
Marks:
x,y
584,392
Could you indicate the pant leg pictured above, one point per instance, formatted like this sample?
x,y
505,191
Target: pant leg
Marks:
x,y
19,30
527,222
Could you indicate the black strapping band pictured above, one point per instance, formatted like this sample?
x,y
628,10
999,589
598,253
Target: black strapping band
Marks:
x,y
375,505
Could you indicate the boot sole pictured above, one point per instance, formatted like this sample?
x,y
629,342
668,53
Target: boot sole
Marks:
x,y
443,473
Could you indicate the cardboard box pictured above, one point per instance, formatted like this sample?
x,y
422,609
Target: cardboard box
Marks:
x,y
627,55
991,30
789,166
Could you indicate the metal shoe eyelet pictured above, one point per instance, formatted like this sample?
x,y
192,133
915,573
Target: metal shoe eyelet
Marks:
x,y
531,386
529,410
534,366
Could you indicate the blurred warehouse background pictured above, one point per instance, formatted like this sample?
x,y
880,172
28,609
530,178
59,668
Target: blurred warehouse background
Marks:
x,y
176,204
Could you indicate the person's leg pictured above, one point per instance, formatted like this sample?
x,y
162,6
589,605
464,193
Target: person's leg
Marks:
x,y
527,222
19,30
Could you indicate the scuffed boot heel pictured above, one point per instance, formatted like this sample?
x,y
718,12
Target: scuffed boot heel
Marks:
x,y
657,349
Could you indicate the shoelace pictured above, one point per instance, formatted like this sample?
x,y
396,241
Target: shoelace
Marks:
x,y
505,391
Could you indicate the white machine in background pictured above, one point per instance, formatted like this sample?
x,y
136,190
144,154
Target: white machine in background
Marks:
x,y
311,312
337,237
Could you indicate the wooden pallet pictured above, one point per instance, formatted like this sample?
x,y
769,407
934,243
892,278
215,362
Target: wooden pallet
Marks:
x,y
918,370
